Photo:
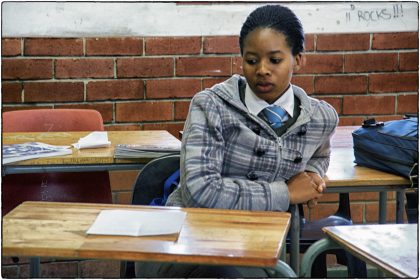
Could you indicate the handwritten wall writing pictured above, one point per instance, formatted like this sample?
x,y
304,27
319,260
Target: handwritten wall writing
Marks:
x,y
391,12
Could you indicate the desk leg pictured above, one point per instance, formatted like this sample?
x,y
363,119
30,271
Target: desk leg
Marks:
x,y
400,207
294,238
34,271
382,207
313,251
282,270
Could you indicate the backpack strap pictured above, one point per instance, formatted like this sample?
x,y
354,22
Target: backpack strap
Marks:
x,y
171,183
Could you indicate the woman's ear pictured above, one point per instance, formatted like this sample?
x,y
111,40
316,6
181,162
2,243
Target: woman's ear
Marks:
x,y
299,61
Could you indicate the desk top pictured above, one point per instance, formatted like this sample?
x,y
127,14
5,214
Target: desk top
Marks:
x,y
208,236
392,247
344,172
90,156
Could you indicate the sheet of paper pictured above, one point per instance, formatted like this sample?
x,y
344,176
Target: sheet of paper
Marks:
x,y
96,139
137,223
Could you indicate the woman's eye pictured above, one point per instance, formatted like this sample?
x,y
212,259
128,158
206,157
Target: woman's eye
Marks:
x,y
275,60
251,61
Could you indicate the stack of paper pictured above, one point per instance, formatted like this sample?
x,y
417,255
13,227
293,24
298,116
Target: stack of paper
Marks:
x,y
30,150
96,139
137,223
145,151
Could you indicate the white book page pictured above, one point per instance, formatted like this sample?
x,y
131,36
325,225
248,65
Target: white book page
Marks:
x,y
137,223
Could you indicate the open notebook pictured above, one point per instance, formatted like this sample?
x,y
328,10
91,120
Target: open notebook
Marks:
x,y
137,223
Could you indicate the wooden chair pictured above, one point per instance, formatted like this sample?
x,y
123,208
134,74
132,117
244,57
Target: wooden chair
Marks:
x,y
58,186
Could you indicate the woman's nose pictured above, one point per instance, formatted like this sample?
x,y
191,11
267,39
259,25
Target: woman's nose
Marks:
x,y
263,69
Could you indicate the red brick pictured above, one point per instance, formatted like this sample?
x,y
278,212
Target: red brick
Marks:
x,y
333,101
322,63
99,269
11,47
390,41
309,42
370,62
237,65
53,46
54,91
123,198
397,82
114,46
106,109
350,120
173,45
120,127
409,61
53,270
343,42
203,66
340,84
145,67
368,105
13,69
329,197
365,196
123,179
144,111
11,92
181,110
84,68
10,272
172,128
173,88
115,90
407,103
209,82
221,44
372,212
305,82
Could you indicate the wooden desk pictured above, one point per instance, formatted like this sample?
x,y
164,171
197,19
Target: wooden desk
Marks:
x,y
208,236
86,159
344,176
392,248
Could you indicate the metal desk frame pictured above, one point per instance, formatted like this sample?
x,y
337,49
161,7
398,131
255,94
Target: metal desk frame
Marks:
x,y
295,219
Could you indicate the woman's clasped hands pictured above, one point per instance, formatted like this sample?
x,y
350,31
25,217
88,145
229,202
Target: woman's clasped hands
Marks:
x,y
306,187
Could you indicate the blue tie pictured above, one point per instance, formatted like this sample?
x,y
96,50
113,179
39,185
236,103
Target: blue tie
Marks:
x,y
274,115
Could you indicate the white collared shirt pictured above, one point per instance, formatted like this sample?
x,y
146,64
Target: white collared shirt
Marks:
x,y
255,104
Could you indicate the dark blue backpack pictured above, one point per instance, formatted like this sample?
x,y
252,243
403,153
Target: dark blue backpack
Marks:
x,y
388,146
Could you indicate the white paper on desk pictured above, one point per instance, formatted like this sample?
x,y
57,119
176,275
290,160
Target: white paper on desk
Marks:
x,y
137,223
96,139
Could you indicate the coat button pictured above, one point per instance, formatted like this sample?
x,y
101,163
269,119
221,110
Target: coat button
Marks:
x,y
252,176
259,152
298,160
256,130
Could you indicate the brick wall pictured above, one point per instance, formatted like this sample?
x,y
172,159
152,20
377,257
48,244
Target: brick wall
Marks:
x,y
146,83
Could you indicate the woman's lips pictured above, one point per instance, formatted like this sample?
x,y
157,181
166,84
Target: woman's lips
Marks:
x,y
265,87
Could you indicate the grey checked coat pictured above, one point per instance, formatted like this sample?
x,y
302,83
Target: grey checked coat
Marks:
x,y
232,159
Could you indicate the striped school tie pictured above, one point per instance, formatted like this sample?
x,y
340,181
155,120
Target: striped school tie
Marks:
x,y
274,115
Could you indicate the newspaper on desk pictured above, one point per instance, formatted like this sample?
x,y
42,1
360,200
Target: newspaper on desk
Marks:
x,y
31,150
137,223
145,151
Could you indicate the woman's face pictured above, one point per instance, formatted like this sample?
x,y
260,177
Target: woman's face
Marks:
x,y
268,63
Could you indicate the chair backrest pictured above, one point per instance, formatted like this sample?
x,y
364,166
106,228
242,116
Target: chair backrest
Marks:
x,y
52,120
150,181
55,186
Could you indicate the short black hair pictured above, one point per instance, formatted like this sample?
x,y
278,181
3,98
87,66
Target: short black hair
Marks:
x,y
279,18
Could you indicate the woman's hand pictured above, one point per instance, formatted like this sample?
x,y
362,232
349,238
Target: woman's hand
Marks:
x,y
303,188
